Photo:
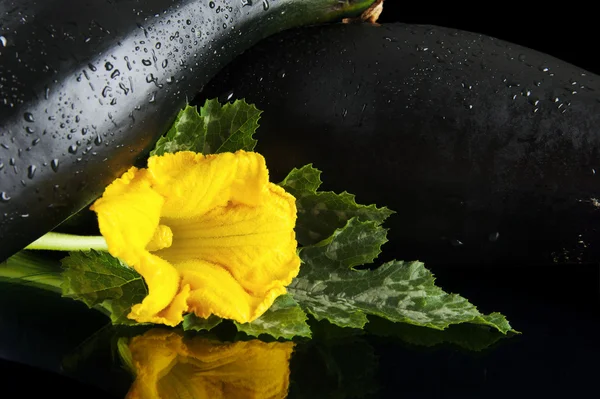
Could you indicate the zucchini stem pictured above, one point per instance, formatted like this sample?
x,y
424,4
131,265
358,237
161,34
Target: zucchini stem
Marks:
x,y
69,242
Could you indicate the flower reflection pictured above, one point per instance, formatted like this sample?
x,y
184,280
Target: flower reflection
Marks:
x,y
168,364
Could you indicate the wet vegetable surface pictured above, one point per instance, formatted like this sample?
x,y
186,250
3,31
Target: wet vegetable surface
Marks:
x,y
487,150
88,86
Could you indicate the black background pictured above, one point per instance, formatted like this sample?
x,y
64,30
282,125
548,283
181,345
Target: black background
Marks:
x,y
556,307
569,39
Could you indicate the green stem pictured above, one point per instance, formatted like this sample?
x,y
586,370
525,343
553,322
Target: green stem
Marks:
x,y
69,242
286,14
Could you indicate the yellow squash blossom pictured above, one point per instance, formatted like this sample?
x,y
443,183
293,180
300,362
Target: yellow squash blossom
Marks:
x,y
209,234
169,366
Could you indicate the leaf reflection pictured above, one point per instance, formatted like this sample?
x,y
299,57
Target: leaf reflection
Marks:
x,y
168,364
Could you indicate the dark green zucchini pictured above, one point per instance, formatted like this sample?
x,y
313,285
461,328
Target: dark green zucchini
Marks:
x,y
488,151
87,86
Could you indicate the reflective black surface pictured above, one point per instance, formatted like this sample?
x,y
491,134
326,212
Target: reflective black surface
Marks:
x,y
557,310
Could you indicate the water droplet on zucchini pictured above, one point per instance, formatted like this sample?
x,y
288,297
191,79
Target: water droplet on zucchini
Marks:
x,y
31,171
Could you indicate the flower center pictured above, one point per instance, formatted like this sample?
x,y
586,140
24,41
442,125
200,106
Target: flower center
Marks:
x,y
163,238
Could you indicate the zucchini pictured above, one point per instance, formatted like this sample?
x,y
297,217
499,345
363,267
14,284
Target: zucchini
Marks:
x,y
488,151
86,88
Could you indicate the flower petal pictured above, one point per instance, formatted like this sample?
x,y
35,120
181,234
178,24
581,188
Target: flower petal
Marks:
x,y
215,291
163,286
191,183
251,179
173,315
256,245
128,215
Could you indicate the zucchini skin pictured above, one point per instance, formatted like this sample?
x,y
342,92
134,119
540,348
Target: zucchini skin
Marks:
x,y
488,151
86,88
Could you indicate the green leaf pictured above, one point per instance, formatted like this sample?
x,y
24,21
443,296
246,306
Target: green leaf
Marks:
x,y
329,288
188,133
102,281
321,212
229,127
195,323
357,243
284,319
216,128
